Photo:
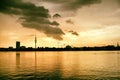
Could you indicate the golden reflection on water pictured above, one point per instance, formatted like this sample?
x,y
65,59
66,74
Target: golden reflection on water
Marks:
x,y
63,64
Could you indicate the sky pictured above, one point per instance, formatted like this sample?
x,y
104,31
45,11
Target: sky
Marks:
x,y
57,23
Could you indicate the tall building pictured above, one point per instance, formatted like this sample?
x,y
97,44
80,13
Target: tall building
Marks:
x,y
35,41
17,44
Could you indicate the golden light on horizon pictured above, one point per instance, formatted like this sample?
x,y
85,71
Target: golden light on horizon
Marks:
x,y
84,26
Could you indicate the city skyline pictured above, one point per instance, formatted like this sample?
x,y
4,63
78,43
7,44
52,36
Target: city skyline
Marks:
x,y
59,45
77,23
64,47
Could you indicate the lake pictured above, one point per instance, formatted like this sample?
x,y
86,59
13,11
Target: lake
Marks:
x,y
64,65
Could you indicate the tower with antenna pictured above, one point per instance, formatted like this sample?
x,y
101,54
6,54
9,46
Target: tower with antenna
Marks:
x,y
35,41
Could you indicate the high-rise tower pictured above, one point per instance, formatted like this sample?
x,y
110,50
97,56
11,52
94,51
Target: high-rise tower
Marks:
x,y
17,45
35,41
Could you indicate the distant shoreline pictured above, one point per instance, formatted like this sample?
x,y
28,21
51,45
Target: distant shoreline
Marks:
x,y
68,48
61,50
56,50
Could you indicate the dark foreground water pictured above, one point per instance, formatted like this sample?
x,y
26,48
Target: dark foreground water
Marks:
x,y
81,65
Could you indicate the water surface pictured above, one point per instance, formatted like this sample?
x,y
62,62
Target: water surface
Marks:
x,y
76,65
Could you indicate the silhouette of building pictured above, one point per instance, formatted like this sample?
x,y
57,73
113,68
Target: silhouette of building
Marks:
x,y
117,44
17,45
10,47
35,41
22,47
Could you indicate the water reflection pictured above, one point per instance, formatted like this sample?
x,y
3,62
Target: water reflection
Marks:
x,y
17,59
35,66
59,65
118,60
48,66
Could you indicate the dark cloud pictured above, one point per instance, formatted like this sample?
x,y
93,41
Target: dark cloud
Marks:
x,y
118,2
74,33
50,31
32,16
55,23
69,21
74,4
56,15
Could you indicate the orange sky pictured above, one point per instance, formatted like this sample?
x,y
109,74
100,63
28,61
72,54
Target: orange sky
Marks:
x,y
95,23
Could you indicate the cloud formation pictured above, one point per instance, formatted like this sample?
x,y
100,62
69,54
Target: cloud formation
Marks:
x,y
74,33
32,16
74,4
118,1
56,15
69,21
55,23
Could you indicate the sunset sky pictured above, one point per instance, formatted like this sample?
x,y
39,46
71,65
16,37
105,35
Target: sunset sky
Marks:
x,y
59,22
